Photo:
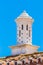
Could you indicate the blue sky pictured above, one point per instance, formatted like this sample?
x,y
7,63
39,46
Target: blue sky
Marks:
x,y
9,11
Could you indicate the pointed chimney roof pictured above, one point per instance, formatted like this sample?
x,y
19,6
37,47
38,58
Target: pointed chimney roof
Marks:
x,y
24,15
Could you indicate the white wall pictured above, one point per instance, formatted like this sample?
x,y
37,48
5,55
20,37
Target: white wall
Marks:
x,y
25,34
23,51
